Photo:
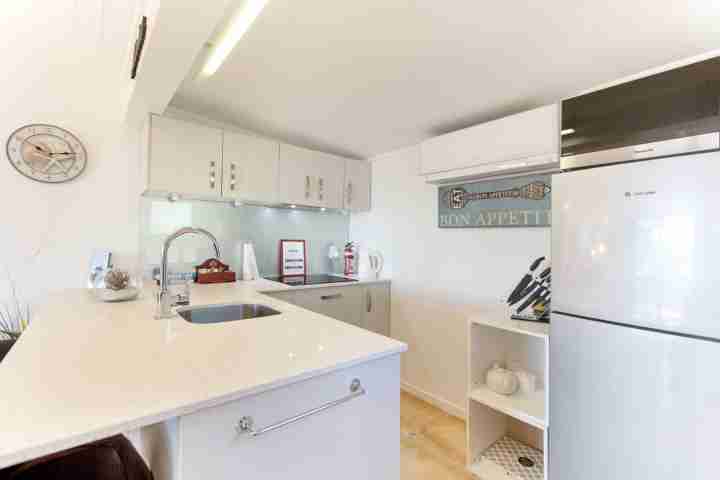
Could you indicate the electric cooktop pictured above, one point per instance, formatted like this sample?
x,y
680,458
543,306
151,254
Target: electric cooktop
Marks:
x,y
295,280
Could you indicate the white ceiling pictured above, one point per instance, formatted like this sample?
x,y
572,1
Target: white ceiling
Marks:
x,y
365,77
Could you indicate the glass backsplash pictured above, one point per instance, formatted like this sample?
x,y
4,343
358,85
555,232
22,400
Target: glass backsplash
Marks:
x,y
233,226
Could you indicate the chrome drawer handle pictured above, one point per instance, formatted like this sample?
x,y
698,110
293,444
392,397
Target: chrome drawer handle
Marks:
x,y
331,297
246,425
644,150
307,186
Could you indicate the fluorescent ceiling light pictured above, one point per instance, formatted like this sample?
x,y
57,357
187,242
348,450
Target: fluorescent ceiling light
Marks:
x,y
224,44
567,131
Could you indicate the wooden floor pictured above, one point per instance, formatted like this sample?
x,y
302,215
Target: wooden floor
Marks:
x,y
432,443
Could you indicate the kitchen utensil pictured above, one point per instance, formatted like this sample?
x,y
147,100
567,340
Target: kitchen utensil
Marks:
x,y
537,281
376,261
533,297
524,281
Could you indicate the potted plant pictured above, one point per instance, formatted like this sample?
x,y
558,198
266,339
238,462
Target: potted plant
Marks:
x,y
14,319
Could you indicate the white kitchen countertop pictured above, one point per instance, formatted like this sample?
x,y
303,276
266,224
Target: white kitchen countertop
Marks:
x,y
85,370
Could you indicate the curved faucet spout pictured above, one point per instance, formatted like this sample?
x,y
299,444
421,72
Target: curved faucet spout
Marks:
x,y
164,304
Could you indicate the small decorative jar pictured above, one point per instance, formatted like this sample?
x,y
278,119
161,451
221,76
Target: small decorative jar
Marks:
x,y
116,285
501,380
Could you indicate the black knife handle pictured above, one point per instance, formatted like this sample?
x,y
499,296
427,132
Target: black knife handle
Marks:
x,y
536,263
545,272
530,300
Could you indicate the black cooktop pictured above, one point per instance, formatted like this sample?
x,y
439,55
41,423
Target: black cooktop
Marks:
x,y
295,280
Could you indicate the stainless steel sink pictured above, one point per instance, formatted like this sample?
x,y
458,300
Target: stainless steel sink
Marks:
x,y
225,313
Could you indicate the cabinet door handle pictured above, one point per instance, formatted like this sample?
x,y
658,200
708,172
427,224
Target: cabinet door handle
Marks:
x,y
334,296
349,193
368,302
246,425
212,175
307,186
233,175
321,188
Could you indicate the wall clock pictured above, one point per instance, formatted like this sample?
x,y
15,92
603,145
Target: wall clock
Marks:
x,y
46,153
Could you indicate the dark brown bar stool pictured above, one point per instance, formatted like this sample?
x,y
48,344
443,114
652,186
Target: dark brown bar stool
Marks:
x,y
113,458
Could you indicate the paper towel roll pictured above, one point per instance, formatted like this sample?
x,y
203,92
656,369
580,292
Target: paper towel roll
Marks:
x,y
250,268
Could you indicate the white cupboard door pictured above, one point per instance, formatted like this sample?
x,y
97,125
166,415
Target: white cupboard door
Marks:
x,y
297,183
377,308
250,167
353,440
342,303
184,157
357,185
347,303
329,170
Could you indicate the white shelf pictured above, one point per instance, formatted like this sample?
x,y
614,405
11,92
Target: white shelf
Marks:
x,y
486,470
501,461
526,408
501,319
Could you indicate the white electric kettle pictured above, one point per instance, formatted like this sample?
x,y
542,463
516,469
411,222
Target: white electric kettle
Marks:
x,y
376,262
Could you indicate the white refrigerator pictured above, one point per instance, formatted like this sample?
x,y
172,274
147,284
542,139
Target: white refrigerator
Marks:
x,y
635,330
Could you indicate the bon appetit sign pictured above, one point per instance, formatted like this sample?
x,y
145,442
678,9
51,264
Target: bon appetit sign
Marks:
x,y
506,202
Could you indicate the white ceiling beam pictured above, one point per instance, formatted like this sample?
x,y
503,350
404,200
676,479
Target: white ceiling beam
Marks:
x,y
177,31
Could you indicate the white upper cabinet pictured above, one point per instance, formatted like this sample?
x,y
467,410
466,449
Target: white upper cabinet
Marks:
x,y
250,168
194,160
357,185
310,178
330,173
296,182
526,141
184,157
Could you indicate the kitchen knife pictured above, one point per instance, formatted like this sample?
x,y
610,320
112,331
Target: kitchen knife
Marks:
x,y
524,281
537,281
531,299
542,299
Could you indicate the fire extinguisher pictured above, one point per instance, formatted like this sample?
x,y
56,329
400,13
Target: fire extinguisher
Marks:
x,y
349,254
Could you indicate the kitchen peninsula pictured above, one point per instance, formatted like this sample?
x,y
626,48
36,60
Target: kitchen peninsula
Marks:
x,y
97,369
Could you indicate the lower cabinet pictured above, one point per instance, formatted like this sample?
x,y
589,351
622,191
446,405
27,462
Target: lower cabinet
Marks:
x,y
356,439
366,305
377,308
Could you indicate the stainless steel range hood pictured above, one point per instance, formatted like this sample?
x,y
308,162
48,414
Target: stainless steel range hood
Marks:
x,y
666,148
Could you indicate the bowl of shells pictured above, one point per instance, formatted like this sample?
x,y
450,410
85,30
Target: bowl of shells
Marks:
x,y
116,285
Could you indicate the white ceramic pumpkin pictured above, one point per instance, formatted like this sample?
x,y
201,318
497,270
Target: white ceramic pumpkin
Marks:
x,y
501,380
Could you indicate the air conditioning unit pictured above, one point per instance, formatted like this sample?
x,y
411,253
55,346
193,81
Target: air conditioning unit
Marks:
x,y
528,142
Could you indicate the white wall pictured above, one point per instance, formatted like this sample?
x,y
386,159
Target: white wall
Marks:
x,y
439,275
65,62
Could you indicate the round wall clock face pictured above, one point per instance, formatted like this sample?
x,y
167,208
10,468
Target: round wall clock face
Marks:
x,y
46,153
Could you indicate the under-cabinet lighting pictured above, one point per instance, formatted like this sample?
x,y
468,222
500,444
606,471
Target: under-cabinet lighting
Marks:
x,y
293,206
224,44
323,209
567,131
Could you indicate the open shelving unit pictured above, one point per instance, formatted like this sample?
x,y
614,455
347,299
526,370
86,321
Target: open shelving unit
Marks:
x,y
504,428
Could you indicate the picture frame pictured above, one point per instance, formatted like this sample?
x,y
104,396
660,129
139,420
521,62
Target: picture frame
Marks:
x,y
292,258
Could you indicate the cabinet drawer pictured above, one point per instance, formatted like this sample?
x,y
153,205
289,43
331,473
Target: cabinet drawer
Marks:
x,y
342,303
354,440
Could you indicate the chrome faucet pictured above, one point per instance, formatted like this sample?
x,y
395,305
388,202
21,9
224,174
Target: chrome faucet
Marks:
x,y
164,302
